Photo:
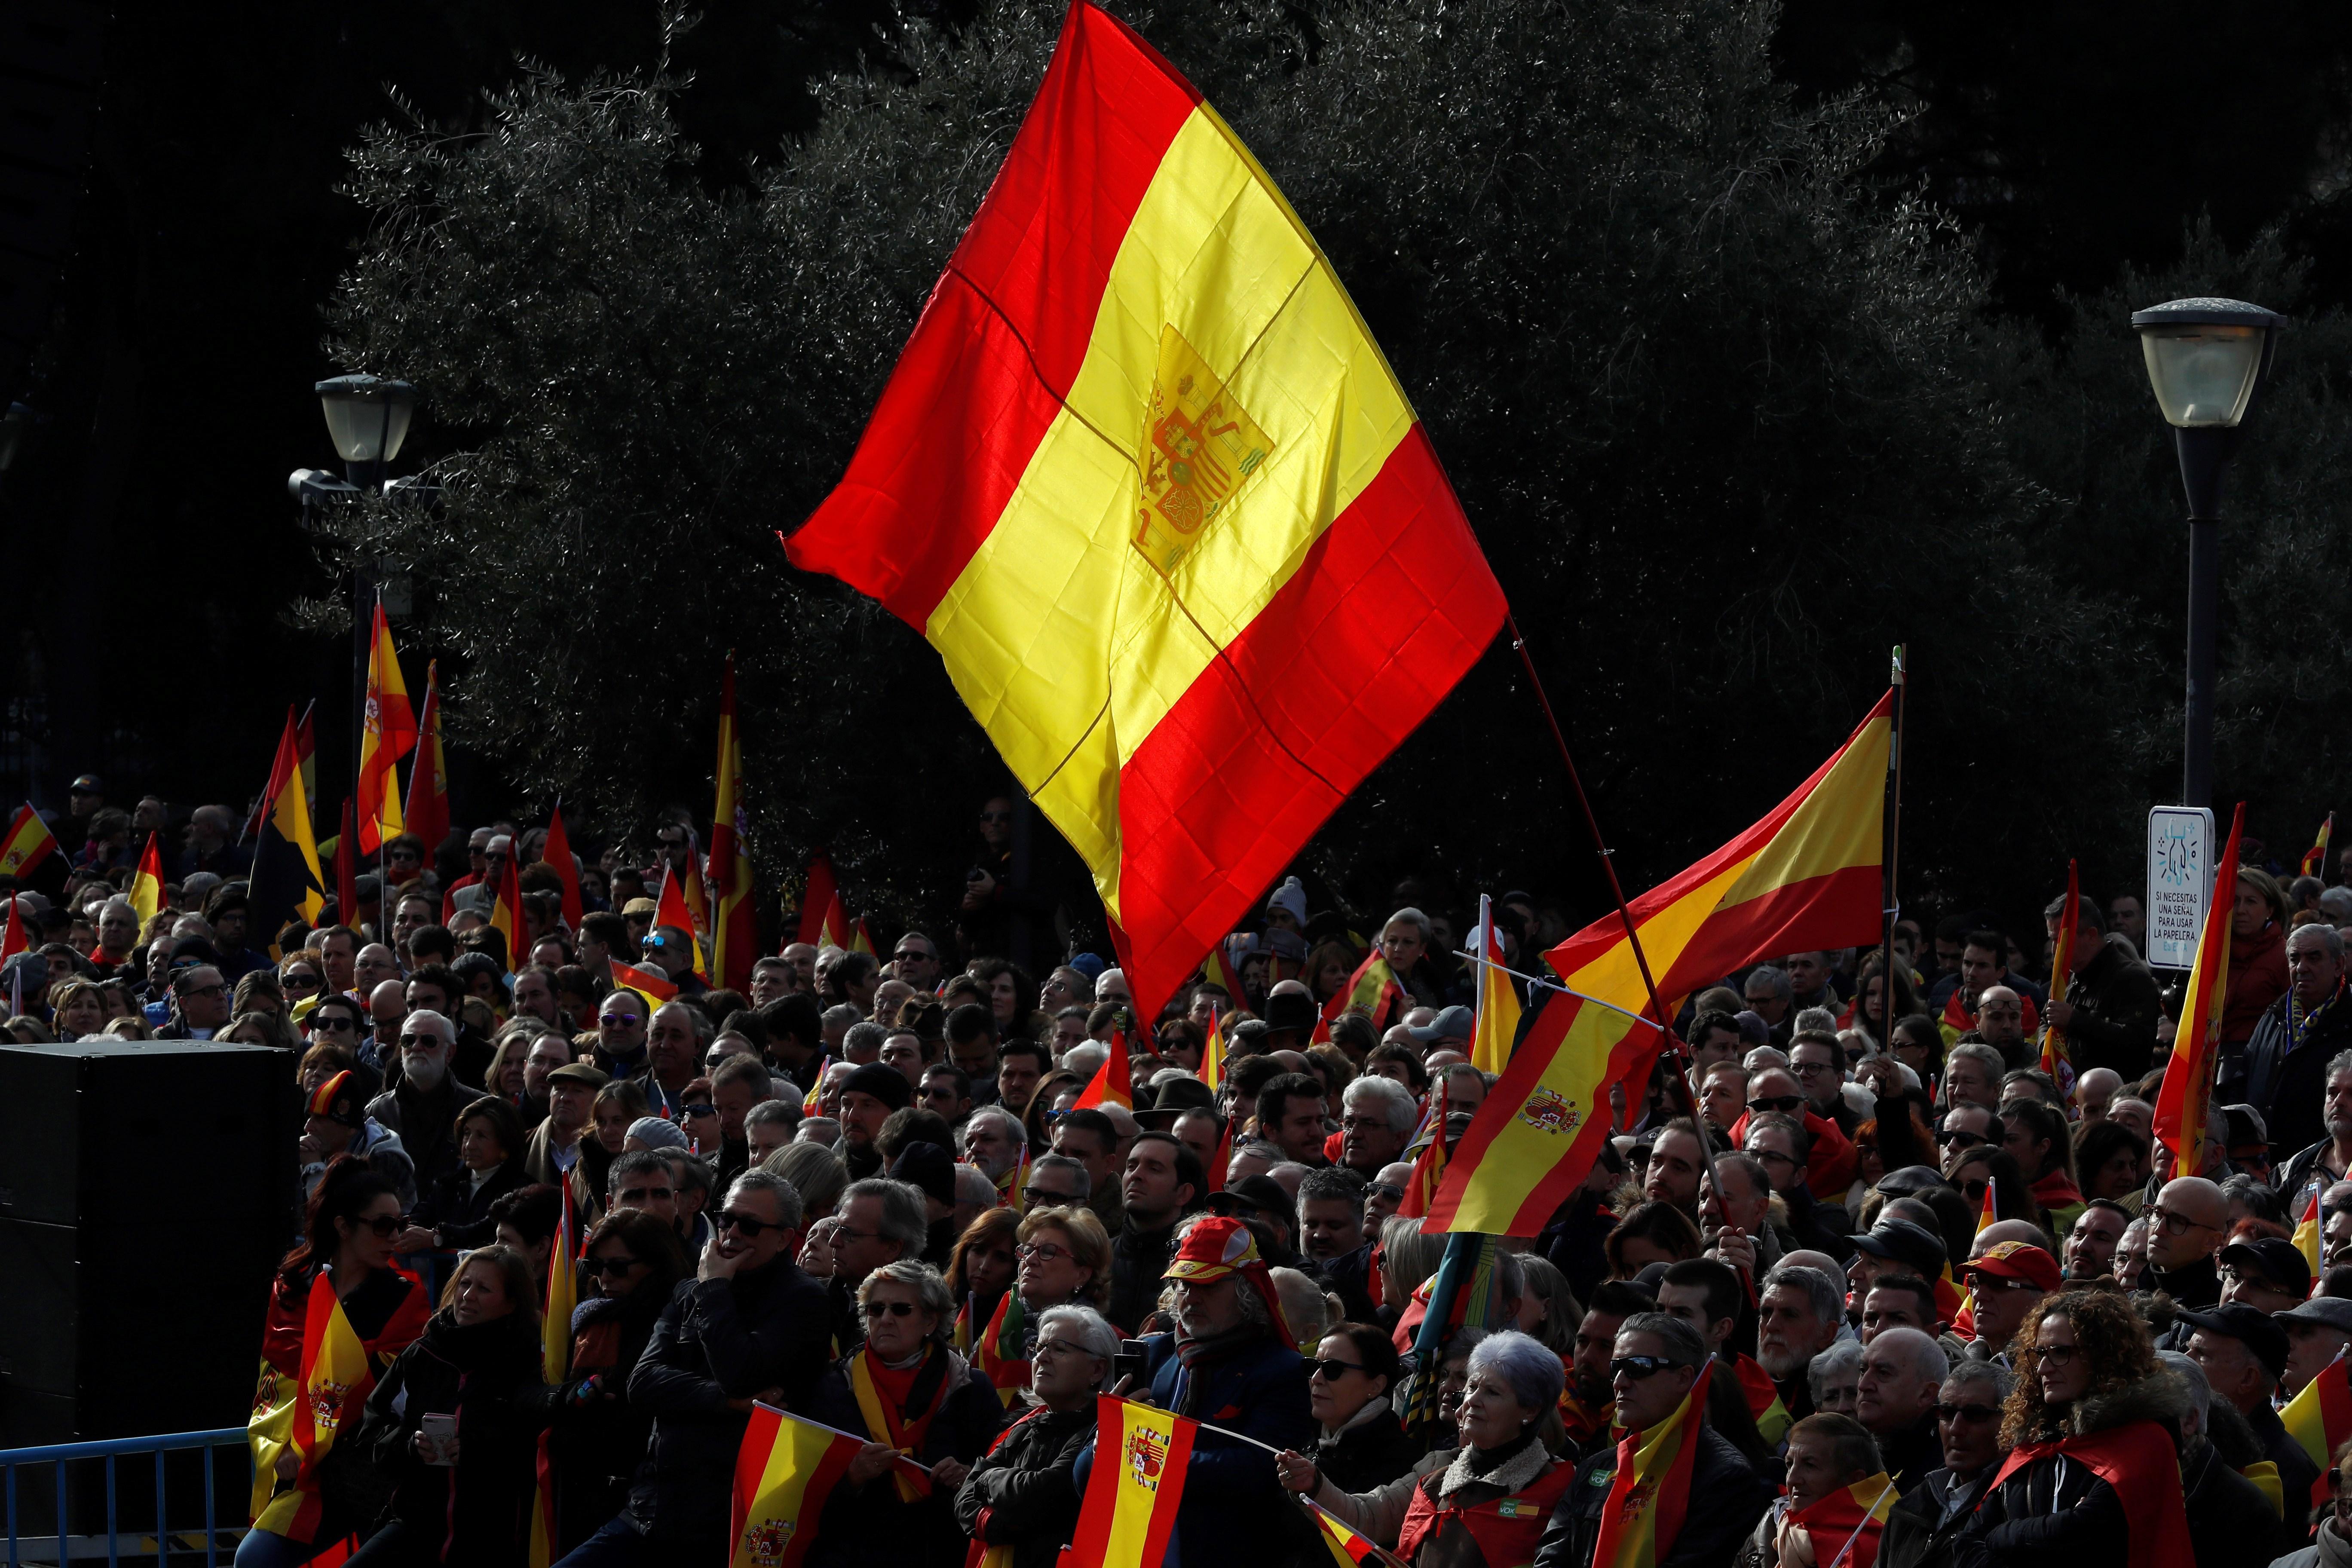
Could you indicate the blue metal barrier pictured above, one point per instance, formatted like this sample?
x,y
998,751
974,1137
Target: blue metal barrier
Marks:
x,y
158,1546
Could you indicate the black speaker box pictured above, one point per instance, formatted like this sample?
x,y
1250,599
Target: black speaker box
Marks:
x,y
147,1188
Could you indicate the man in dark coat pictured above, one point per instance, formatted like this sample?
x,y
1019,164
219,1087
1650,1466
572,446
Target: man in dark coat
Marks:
x,y
2286,1060
1726,1496
422,1107
749,1327
2109,1013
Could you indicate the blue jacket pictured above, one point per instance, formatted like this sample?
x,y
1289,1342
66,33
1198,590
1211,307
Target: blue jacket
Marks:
x,y
1234,1509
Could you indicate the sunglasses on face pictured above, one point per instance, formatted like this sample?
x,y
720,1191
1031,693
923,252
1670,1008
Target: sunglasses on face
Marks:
x,y
890,1309
333,1023
2059,1355
382,1223
1638,1366
1333,1370
1781,1102
603,1268
690,1113
643,1194
1947,1136
749,1224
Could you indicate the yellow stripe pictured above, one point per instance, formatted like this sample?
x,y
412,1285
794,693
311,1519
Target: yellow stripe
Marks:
x,y
1067,644
1130,1521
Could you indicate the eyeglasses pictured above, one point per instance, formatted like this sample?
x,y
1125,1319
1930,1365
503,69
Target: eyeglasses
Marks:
x,y
1768,1155
2179,1223
698,1108
749,1224
382,1223
907,953
1638,1366
213,989
2059,1355
1807,1069
1781,1102
996,817
1333,1370
601,1268
891,1309
1968,1412
332,1023
1995,1283
1947,1136
419,1042
300,980
843,1233
1045,1251
1383,1190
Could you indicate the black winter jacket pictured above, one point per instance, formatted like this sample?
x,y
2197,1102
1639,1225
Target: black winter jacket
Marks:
x,y
2054,1512
1022,1491
478,1511
1727,1499
872,1526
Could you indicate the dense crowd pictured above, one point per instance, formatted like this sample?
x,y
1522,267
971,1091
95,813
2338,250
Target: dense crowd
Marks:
x,y
1908,1264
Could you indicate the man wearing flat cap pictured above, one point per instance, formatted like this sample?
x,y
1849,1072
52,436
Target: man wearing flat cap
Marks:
x,y
2243,1352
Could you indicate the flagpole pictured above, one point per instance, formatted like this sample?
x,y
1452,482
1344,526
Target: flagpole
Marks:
x,y
1642,1018
1868,1515
1891,908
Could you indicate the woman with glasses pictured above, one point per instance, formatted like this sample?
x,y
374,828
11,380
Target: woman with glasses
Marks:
x,y
1043,1112
1022,1493
2093,1475
1485,1502
908,1394
346,1250
463,1496
1361,1445
302,976
629,1269
1062,1255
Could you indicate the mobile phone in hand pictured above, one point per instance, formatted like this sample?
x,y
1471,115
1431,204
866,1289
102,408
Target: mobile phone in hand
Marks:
x,y
439,1432
1129,1362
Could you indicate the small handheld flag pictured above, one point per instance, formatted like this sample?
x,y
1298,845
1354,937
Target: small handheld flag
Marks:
x,y
427,809
2315,860
1130,1509
146,891
1498,1001
2055,1059
784,1471
1109,1085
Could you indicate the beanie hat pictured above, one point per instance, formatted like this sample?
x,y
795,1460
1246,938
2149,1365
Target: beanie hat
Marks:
x,y
1290,897
337,1099
928,1167
655,1134
887,1085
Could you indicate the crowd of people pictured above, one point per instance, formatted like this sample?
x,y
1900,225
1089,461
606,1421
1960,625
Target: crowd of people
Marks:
x,y
883,1192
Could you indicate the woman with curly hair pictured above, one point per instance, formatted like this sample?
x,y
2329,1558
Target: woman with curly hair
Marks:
x,y
2093,1426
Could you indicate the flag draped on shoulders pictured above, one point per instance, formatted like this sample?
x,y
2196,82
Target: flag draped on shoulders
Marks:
x,y
1145,482
2139,1460
1807,876
1130,1508
1649,1496
2180,1104
332,1380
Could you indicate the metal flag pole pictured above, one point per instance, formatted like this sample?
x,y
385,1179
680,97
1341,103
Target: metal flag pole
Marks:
x,y
1891,908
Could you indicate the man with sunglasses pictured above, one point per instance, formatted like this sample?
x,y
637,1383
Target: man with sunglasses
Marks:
x,y
422,1106
750,1326
916,960
1830,1156
1657,1358
200,1004
1966,1127
1967,1421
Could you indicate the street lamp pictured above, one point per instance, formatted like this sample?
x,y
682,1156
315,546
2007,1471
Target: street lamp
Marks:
x,y
2207,359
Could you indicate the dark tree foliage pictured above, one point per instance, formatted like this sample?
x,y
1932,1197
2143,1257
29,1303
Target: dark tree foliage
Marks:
x,y
1728,428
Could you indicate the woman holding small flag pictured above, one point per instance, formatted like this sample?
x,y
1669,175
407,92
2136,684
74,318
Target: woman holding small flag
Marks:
x,y
1485,1504
460,1496
1021,1502
911,1396
339,1313
2093,1478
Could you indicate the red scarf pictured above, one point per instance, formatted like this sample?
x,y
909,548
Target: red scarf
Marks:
x,y
2055,1192
2139,1461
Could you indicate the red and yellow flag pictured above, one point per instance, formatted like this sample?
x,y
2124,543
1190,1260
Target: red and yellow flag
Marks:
x,y
1986,1216
336,1379
306,758
387,733
784,1471
1806,876
1138,1480
2319,1419
1428,1178
1348,1549
427,814
1373,991
557,853
997,1352
1650,1495
1110,1084
287,882
12,935
507,918
2180,1105
281,765
2315,860
823,921
146,893
1144,480
1499,1000
1212,1055
1845,1527
555,1365
655,989
675,911
2307,1237
734,924
347,875
2055,1059
29,843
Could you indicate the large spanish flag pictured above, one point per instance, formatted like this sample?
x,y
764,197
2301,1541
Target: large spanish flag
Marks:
x,y
387,733
734,933
2319,1418
1140,1457
1805,876
783,1473
1145,481
336,1379
2180,1104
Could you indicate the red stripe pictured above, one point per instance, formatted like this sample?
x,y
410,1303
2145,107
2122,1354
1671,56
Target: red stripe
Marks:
x,y
822,1484
750,1464
1090,1542
1171,1495
1006,329
1387,610
1512,1091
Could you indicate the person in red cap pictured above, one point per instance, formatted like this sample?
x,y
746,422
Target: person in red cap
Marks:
x,y
2006,1282
1230,1364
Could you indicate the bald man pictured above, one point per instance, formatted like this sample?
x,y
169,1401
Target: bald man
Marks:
x,y
2096,1090
2184,1231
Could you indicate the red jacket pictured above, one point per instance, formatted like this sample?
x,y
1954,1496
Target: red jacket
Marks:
x,y
1829,1169
2257,978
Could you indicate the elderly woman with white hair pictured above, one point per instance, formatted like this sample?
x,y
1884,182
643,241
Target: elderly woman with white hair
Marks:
x,y
907,1393
1483,1504
1021,1493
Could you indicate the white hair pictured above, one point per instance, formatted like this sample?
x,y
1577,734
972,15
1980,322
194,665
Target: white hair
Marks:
x,y
1533,1371
1096,1336
427,1018
1927,1358
1392,1097
1842,1357
1087,1059
973,1186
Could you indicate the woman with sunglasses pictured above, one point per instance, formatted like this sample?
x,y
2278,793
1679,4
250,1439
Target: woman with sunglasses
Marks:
x,y
1021,1493
302,977
346,1250
2093,1475
908,1394
629,1269
461,1498
1361,1445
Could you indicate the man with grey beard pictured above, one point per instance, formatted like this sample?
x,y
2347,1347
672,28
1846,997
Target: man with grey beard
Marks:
x,y
1798,1311
422,1109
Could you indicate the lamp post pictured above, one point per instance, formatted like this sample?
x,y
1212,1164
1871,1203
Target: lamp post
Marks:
x,y
2207,359
367,420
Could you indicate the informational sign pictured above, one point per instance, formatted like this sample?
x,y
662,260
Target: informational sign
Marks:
x,y
2179,880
